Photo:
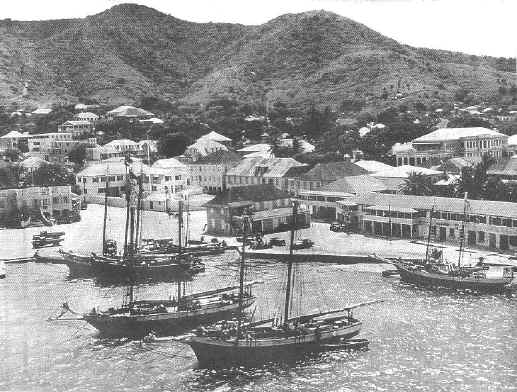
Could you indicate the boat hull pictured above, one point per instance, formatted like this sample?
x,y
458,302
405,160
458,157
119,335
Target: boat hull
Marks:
x,y
216,353
161,323
430,279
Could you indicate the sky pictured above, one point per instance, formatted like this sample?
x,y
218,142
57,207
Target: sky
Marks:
x,y
482,27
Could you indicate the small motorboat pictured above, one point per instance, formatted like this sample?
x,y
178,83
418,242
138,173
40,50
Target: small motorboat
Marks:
x,y
390,272
41,242
346,344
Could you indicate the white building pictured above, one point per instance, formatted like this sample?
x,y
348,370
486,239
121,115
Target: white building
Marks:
x,y
169,175
209,172
14,140
87,116
129,112
203,147
78,128
55,146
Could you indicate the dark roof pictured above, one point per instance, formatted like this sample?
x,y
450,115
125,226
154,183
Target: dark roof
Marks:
x,y
355,185
456,205
333,171
219,157
252,193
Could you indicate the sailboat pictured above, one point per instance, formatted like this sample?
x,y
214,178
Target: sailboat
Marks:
x,y
131,264
433,271
241,344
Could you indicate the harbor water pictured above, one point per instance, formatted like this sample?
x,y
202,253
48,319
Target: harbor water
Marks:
x,y
420,340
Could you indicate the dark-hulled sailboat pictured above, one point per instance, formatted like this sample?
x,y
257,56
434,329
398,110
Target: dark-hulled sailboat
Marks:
x,y
433,271
260,342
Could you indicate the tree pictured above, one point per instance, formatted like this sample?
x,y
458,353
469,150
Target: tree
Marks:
x,y
52,174
173,144
418,184
78,155
13,154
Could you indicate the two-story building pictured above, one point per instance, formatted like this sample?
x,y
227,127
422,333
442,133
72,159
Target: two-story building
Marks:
x,y
87,116
128,112
78,128
489,224
325,173
14,140
252,171
445,143
209,172
203,147
271,208
169,175
55,146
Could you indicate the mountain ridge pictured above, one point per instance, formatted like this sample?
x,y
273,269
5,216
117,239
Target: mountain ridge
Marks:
x,y
129,51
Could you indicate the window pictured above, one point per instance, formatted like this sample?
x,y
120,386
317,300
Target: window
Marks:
x,y
481,236
451,233
167,178
177,178
55,200
153,188
95,179
111,178
101,190
120,178
103,178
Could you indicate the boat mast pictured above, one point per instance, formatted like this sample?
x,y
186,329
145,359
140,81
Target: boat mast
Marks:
x,y
245,223
429,235
462,233
139,211
128,197
105,213
290,265
180,223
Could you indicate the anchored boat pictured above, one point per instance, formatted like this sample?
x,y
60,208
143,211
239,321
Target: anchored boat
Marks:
x,y
238,344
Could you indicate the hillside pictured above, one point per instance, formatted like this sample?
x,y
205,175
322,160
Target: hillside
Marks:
x,y
129,51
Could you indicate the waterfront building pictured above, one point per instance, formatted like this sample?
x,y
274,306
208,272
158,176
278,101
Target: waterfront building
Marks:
x,y
78,128
322,202
209,172
54,201
274,171
447,143
490,224
270,206
169,175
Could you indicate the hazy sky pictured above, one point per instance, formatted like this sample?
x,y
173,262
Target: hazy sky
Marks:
x,y
471,26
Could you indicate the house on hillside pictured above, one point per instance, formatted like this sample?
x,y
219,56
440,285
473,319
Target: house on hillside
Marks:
x,y
445,143
14,140
87,116
78,128
217,137
271,208
202,148
128,112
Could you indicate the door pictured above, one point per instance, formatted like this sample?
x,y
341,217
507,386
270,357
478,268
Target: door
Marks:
x,y
503,242
443,233
472,238
492,241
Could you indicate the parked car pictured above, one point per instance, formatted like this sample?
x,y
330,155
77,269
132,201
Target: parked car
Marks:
x,y
249,241
275,241
337,227
303,244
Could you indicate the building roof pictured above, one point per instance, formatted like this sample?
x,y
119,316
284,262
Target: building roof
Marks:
x,y
402,147
373,166
217,137
455,205
452,134
218,158
33,162
404,171
42,111
332,171
114,166
264,167
355,185
121,142
249,193
86,115
153,120
76,122
129,111
168,163
263,147
205,146
14,134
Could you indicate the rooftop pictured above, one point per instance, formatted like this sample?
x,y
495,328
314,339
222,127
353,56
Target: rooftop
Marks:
x,y
264,167
455,205
332,171
217,137
452,134
129,111
86,115
504,167
250,193
167,163
113,166
404,171
219,157
356,185
373,166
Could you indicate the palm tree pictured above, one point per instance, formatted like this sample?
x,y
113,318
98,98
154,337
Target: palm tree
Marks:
x,y
418,184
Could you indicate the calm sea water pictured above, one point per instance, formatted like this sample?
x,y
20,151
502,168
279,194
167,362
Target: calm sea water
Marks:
x,y
419,340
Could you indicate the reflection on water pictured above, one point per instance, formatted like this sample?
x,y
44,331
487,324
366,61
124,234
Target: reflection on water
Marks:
x,y
419,339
